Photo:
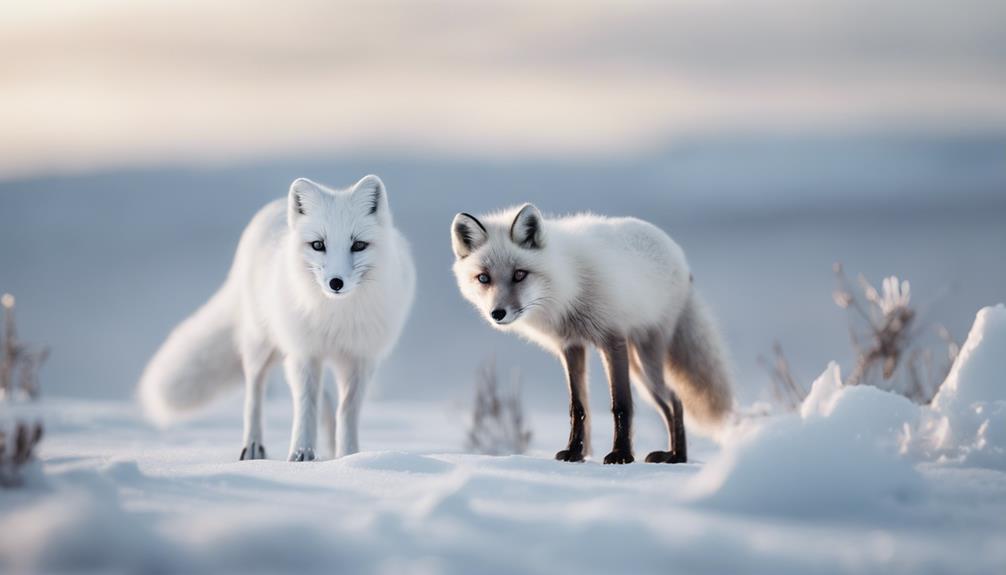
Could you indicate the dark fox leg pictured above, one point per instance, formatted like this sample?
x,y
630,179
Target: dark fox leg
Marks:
x,y
615,354
650,372
574,359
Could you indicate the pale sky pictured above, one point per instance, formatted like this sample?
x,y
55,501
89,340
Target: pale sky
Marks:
x,y
116,83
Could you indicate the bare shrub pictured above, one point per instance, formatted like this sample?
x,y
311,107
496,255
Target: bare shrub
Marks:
x,y
19,365
786,389
497,426
886,334
17,450
19,362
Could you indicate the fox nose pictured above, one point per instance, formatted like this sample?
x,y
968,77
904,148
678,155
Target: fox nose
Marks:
x,y
498,314
336,284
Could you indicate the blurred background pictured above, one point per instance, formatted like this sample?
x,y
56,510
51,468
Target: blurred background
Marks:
x,y
770,138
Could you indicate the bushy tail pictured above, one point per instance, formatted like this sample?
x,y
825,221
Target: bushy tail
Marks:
x,y
198,361
699,367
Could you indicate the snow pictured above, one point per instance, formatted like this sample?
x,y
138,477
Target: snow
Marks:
x,y
812,464
851,483
968,419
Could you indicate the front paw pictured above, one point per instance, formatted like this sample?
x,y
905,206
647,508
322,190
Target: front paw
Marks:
x,y
570,455
302,454
253,450
665,457
619,456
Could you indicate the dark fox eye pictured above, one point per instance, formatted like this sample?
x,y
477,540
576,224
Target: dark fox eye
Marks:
x,y
318,246
358,246
483,278
519,275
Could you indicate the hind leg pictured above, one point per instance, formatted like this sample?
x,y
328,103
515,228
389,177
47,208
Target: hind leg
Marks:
x,y
649,370
256,359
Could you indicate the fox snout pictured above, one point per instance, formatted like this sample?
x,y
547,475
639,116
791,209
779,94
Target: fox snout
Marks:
x,y
336,284
498,314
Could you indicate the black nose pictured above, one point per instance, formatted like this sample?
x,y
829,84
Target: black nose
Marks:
x,y
336,284
498,314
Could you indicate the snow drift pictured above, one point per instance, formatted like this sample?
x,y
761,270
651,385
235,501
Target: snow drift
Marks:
x,y
853,449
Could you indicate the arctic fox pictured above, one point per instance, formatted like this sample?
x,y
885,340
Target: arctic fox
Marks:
x,y
322,277
620,284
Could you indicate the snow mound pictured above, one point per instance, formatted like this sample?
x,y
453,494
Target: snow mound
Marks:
x,y
838,456
853,450
967,422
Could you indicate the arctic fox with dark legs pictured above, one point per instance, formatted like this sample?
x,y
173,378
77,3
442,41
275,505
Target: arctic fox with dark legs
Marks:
x,y
322,277
620,284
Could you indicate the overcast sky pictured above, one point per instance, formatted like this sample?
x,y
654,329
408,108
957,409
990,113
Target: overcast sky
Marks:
x,y
113,83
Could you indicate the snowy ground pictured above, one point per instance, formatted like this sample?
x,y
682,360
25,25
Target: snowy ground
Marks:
x,y
859,481
104,265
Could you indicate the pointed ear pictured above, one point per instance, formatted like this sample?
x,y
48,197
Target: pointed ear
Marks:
x,y
467,235
371,198
304,196
526,229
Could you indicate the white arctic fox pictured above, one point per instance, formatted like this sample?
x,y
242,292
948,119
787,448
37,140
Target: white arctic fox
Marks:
x,y
620,284
322,277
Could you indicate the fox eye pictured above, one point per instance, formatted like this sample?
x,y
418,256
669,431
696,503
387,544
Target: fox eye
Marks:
x,y
318,246
358,246
483,278
519,275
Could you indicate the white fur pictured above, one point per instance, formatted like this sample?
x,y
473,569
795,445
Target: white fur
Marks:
x,y
639,283
644,273
277,303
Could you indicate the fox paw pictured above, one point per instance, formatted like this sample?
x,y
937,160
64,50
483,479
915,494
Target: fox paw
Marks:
x,y
569,455
302,454
619,456
253,450
665,457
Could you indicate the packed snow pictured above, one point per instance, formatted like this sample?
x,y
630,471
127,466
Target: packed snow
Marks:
x,y
858,480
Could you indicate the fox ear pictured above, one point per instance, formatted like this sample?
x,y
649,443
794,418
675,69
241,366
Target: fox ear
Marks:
x,y
304,197
525,231
371,198
467,235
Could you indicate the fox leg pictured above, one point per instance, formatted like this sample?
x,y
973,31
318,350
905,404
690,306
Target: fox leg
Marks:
x,y
574,360
615,355
649,368
328,418
256,359
353,376
304,377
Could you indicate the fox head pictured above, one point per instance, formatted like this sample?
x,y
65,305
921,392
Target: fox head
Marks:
x,y
500,264
338,234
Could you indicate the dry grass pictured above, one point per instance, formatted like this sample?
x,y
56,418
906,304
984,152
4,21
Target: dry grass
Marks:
x,y
498,426
17,450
